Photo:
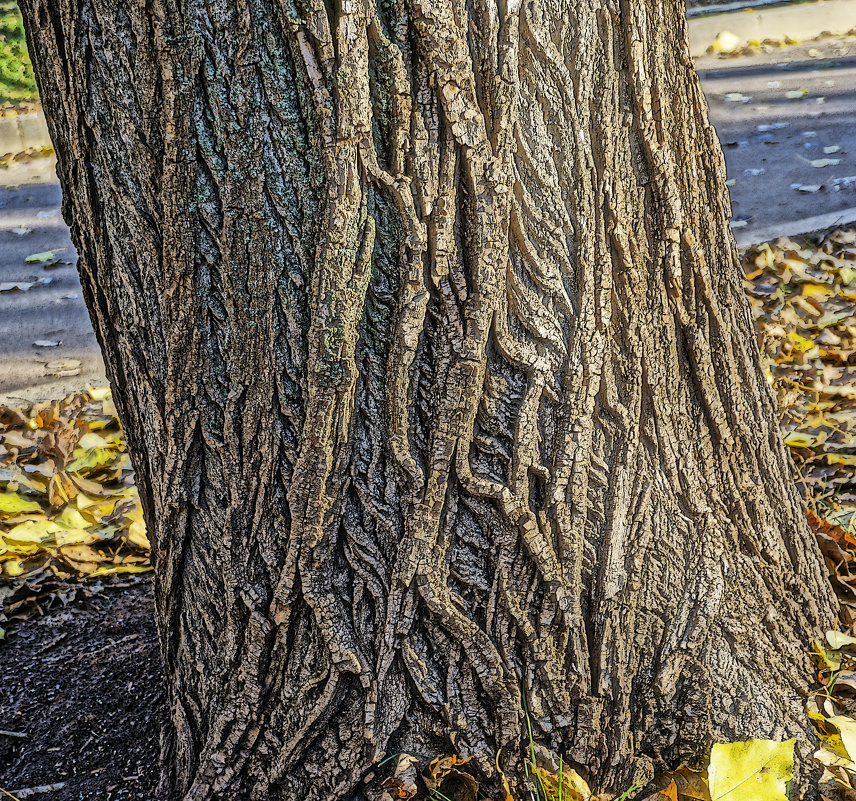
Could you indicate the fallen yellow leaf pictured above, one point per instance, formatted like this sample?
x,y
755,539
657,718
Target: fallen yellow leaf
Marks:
x,y
13,567
31,532
847,730
137,534
75,536
838,639
819,291
798,439
565,786
756,770
91,459
70,517
11,503
106,571
90,441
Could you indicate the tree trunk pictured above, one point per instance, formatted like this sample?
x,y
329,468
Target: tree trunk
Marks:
x,y
427,333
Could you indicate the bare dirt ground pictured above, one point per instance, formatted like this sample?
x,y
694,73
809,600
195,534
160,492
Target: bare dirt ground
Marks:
x,y
82,702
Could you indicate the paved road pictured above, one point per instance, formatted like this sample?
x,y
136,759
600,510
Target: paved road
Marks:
x,y
51,310
769,141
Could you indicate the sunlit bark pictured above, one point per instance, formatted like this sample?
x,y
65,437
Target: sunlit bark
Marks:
x,y
425,326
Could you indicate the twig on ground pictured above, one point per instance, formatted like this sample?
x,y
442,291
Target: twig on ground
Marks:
x,y
28,791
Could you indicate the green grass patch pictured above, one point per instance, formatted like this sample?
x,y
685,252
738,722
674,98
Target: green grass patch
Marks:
x,y
17,82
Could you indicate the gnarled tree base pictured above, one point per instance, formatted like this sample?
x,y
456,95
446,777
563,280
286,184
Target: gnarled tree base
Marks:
x,y
426,329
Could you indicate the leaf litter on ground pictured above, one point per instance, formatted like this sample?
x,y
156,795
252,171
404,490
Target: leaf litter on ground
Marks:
x,y
803,299
70,514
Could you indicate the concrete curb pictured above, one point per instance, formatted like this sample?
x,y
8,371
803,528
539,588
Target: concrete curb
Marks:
x,y
23,132
802,20
735,5
745,237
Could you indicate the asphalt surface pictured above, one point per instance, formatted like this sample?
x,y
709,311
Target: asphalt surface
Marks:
x,y
46,306
770,141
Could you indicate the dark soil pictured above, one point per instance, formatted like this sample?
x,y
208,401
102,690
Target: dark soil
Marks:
x,y
83,684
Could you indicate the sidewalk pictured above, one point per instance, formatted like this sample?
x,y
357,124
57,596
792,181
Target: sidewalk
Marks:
x,y
786,124
800,21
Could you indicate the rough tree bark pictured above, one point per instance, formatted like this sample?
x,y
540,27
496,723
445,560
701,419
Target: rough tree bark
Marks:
x,y
426,330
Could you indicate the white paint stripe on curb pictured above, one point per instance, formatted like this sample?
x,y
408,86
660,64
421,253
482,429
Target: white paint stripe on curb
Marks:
x,y
801,20
746,237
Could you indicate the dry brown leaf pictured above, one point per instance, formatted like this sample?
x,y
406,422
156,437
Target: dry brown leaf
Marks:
x,y
401,786
444,775
690,784
668,793
60,441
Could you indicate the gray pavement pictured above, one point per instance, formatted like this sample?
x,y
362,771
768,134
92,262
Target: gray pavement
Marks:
x,y
774,143
46,307
769,140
